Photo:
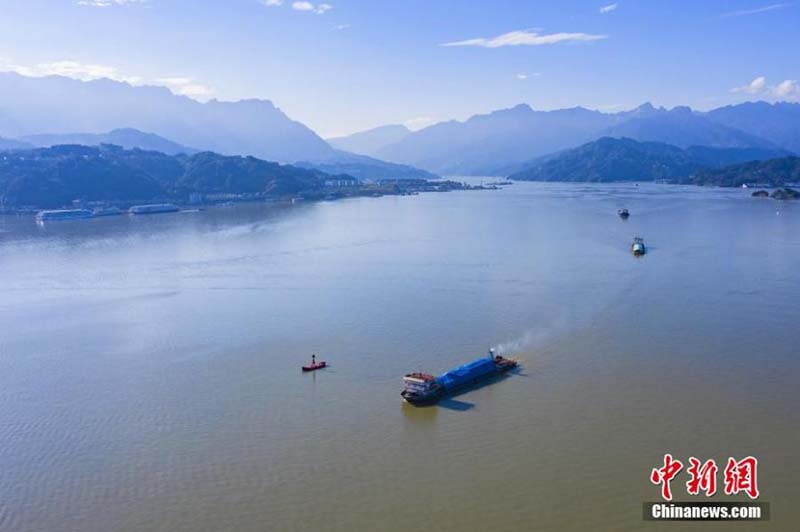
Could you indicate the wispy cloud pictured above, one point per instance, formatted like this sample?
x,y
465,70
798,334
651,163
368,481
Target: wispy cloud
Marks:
x,y
526,38
187,87
108,3
523,76
754,87
755,11
91,71
299,5
71,69
319,9
788,89
340,27
609,8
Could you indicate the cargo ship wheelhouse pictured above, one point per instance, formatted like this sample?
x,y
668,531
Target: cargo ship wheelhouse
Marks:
x,y
420,389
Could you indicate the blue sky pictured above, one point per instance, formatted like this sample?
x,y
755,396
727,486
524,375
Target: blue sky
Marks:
x,y
344,65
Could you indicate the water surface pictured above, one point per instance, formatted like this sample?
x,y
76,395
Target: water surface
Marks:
x,y
149,366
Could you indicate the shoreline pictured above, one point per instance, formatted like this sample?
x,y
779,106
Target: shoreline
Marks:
x,y
396,187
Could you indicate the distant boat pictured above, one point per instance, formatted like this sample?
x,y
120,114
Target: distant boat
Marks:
x,y
63,214
153,209
623,213
744,185
638,248
314,364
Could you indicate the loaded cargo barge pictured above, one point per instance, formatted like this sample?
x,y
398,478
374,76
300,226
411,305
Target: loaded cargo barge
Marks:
x,y
424,389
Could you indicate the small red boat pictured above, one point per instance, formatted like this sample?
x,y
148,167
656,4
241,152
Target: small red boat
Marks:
x,y
312,367
314,364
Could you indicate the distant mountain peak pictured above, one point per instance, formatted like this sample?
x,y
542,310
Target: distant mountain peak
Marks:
x,y
521,109
60,105
682,109
369,142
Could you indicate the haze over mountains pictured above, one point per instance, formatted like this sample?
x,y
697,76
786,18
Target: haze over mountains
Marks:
x,y
44,111
124,137
369,142
505,140
59,105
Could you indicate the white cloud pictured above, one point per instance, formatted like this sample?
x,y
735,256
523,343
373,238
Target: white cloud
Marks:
x,y
526,38
341,27
186,87
754,87
764,9
272,3
71,69
417,123
788,89
108,3
609,8
522,76
319,9
91,71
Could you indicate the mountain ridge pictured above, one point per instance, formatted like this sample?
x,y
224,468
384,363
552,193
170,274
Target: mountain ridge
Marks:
x,y
487,144
55,176
369,141
61,105
128,138
610,159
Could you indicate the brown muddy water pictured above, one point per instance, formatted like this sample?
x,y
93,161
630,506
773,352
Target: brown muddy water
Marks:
x,y
150,366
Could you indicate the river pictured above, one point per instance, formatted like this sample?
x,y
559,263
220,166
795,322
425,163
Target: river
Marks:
x,y
150,365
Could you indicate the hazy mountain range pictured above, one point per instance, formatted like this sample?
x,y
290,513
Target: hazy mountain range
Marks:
x,y
58,105
42,112
55,110
364,168
369,142
14,144
624,159
124,137
501,141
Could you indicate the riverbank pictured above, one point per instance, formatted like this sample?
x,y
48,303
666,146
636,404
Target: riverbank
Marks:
x,y
392,187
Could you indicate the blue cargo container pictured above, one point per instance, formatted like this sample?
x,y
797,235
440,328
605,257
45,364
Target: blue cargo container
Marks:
x,y
467,373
